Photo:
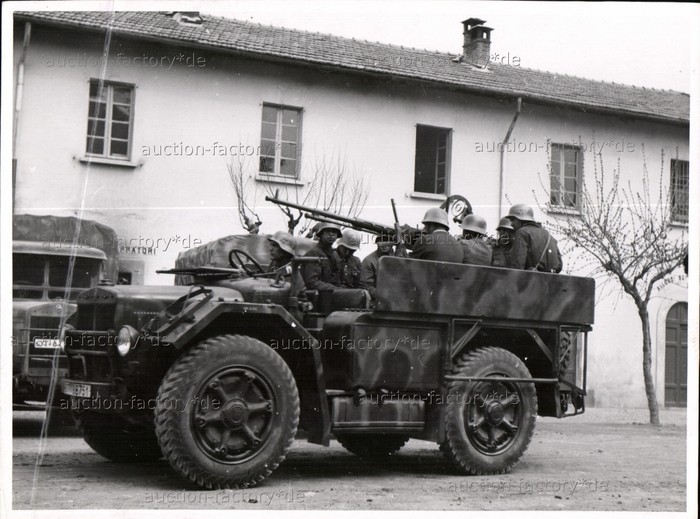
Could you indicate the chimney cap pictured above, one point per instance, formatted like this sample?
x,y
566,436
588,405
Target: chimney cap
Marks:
x,y
474,21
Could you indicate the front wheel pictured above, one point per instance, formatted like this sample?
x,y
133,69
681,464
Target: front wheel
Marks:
x,y
489,424
227,412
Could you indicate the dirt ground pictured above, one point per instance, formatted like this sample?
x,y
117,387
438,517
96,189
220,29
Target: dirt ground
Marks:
x,y
604,460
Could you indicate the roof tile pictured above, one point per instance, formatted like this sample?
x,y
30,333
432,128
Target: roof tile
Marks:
x,y
380,58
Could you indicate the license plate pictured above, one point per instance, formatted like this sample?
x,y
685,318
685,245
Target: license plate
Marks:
x,y
73,389
48,344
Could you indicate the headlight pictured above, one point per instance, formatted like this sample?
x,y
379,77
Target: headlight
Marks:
x,y
62,336
126,339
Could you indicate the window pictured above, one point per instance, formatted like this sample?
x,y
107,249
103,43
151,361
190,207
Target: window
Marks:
x,y
280,145
565,176
110,116
124,278
44,277
432,160
679,190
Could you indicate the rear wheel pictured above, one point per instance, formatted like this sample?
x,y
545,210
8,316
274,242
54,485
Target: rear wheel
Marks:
x,y
489,424
227,412
116,439
370,446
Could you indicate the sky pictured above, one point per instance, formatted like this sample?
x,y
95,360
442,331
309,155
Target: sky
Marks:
x,y
642,44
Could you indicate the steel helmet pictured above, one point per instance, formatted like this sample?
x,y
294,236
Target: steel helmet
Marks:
x,y
436,215
474,223
350,239
285,241
522,212
384,239
327,225
505,224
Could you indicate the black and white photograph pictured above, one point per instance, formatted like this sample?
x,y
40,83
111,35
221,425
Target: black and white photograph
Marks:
x,y
390,257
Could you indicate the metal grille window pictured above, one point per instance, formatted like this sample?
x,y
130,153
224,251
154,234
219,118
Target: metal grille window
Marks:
x,y
432,160
565,176
280,144
110,117
679,190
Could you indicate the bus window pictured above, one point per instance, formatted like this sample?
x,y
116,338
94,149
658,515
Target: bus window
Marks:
x,y
27,270
85,272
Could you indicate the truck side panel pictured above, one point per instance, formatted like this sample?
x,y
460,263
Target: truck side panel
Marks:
x,y
360,351
495,293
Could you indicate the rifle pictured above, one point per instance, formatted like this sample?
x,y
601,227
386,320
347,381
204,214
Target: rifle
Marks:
x,y
356,223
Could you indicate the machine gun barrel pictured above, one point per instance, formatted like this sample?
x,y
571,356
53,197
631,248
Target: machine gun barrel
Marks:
x,y
339,223
355,223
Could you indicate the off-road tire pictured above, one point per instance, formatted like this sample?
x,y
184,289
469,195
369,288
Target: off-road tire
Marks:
x,y
116,439
239,441
372,446
494,408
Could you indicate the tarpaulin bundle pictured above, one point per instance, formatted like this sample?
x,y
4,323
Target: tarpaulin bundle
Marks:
x,y
215,253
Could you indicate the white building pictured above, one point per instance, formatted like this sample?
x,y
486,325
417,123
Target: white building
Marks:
x,y
130,119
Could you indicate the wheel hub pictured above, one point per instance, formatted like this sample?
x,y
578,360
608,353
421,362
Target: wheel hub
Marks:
x,y
492,417
494,413
235,414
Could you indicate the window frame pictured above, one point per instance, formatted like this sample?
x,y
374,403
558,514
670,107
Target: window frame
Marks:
x,y
448,162
107,136
562,193
276,174
674,187
46,288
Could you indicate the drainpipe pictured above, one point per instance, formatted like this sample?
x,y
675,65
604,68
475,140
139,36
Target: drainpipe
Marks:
x,y
19,90
502,175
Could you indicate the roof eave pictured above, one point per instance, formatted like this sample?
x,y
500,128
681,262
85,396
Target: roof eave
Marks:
x,y
277,58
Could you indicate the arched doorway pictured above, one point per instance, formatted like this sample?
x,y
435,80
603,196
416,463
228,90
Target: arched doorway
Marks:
x,y
676,382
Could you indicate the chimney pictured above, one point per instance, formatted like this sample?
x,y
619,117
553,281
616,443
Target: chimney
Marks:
x,y
477,42
186,17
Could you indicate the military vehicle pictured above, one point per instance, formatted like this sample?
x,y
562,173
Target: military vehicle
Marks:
x,y
218,376
44,294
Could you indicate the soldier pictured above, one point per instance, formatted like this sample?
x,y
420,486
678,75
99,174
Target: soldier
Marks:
x,y
476,251
349,267
502,248
324,275
281,246
370,264
533,247
436,243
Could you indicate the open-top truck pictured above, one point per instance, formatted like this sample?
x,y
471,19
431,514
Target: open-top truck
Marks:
x,y
217,376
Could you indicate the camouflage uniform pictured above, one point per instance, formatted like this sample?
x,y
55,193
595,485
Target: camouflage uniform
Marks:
x,y
476,252
370,266
529,243
500,256
438,246
323,276
350,271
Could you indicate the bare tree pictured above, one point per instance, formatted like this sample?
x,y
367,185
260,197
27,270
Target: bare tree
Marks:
x,y
627,236
331,187
240,180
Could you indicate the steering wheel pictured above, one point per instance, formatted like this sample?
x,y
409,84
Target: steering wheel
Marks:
x,y
239,263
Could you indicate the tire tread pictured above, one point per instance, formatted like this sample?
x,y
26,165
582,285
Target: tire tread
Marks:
x,y
166,420
450,447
